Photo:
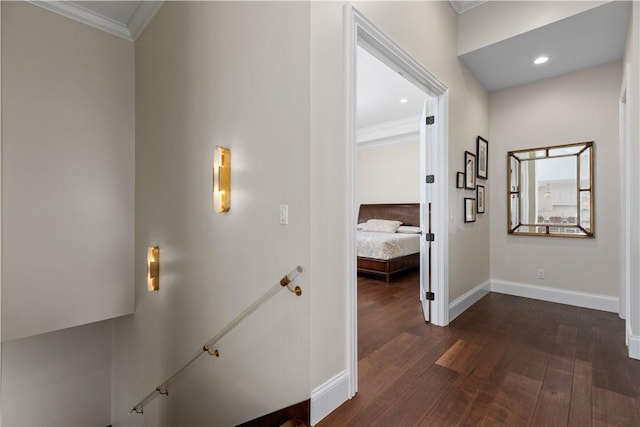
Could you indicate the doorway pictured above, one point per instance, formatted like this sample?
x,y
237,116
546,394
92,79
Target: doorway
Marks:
x,y
360,33
392,264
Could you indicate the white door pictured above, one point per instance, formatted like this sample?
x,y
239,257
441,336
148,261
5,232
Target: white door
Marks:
x,y
425,210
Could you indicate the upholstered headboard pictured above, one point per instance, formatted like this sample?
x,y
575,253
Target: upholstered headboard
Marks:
x,y
408,213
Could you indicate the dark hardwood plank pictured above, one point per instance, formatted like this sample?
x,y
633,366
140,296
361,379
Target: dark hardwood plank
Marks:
x,y
395,392
505,361
614,409
454,403
419,398
529,361
584,342
459,357
608,349
511,403
580,412
552,407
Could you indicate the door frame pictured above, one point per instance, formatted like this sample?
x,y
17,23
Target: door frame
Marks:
x,y
359,31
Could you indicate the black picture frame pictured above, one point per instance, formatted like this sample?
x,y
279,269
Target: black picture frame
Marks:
x,y
469,170
482,153
480,199
469,209
459,179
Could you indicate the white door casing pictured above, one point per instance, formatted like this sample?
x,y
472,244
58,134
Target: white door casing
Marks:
x,y
361,32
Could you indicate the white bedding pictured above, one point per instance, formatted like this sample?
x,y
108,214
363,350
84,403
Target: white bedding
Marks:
x,y
386,246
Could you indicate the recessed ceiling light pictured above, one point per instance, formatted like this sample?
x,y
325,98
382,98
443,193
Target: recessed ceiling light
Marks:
x,y
404,100
541,60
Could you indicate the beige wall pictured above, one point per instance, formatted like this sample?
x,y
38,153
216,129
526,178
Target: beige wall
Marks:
x,y
496,21
68,172
388,174
61,378
0,211
632,57
233,74
328,195
428,31
581,106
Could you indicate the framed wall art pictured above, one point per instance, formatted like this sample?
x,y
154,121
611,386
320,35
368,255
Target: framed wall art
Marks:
x,y
469,170
482,151
480,199
469,209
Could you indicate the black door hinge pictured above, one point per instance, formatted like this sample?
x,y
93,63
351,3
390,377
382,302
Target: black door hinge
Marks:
x,y
431,120
430,296
431,179
430,237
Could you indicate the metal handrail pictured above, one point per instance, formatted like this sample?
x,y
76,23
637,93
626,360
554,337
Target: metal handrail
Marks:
x,y
161,389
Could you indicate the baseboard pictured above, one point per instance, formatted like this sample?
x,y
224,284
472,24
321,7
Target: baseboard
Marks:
x,y
327,397
457,307
634,347
561,296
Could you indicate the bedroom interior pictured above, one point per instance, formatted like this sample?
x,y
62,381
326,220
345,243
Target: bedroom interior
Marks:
x,y
387,169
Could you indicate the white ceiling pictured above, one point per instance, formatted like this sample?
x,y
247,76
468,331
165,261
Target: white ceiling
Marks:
x,y
462,6
591,38
119,11
125,19
585,40
379,92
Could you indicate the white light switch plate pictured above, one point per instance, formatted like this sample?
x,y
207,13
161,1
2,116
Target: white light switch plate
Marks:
x,y
284,214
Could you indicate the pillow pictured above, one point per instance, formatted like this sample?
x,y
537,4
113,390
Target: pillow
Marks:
x,y
408,229
382,225
361,227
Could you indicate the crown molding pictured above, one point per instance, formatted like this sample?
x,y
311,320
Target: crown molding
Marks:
x,y
461,6
85,16
142,17
400,131
144,13
409,138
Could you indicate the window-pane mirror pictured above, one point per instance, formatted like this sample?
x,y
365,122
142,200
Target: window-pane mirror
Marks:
x,y
551,191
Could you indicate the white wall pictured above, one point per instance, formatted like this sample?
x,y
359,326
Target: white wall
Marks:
x,y
328,194
61,378
581,106
494,21
0,211
428,31
68,172
389,174
234,74
632,57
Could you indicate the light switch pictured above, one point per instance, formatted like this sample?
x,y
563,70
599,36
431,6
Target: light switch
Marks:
x,y
284,214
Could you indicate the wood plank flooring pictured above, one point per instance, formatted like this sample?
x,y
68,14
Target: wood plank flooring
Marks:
x,y
506,361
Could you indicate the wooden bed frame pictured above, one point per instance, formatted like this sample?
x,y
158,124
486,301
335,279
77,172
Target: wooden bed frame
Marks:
x,y
409,214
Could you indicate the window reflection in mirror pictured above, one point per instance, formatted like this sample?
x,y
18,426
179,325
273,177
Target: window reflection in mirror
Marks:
x,y
551,191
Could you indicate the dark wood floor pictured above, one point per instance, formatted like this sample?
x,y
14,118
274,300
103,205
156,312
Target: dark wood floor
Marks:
x,y
506,361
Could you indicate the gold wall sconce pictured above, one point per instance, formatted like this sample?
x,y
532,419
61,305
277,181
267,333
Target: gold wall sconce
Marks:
x,y
153,268
222,179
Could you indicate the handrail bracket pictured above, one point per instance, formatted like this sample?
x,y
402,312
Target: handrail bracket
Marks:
x,y
286,281
215,352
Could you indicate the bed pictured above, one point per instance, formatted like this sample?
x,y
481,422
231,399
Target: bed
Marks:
x,y
385,254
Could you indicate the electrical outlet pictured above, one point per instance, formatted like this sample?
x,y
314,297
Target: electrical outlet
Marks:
x,y
540,273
